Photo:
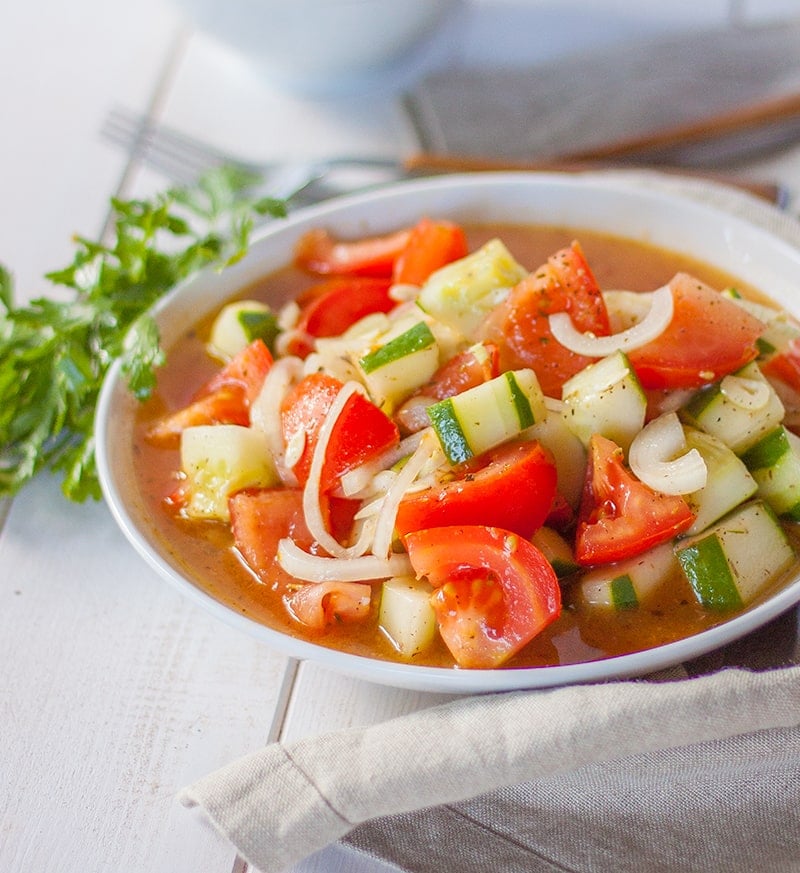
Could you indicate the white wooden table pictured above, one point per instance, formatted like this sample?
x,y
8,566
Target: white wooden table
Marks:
x,y
114,691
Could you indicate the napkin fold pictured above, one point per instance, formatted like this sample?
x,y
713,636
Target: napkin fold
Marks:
x,y
285,801
697,773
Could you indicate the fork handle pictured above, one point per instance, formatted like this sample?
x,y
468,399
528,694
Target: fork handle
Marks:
x,y
425,163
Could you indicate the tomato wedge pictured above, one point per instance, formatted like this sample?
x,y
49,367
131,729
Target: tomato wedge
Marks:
x,y
260,518
227,405
361,432
494,592
224,399
709,336
520,326
620,516
431,245
464,370
336,304
249,368
320,604
511,487
319,252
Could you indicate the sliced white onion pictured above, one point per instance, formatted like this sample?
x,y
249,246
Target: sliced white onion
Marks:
x,y
295,446
384,530
354,482
314,568
651,326
413,414
745,393
402,292
654,457
265,410
311,492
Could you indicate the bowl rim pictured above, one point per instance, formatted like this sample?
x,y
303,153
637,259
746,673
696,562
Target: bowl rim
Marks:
x,y
453,192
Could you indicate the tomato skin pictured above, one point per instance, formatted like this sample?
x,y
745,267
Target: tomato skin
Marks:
x,y
336,304
318,605
362,430
520,325
464,370
511,487
224,399
260,518
493,593
620,516
318,252
430,245
227,405
248,368
708,338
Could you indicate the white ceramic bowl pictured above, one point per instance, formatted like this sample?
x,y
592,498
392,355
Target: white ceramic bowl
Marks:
x,y
320,45
593,203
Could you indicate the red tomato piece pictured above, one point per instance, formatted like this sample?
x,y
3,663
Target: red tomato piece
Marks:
x,y
224,399
620,516
336,304
520,325
430,245
709,336
511,487
260,518
464,370
361,432
494,592
320,604
784,365
318,252
248,368
227,405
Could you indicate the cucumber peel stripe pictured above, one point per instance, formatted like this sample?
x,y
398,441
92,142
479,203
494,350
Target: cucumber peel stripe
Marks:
x,y
415,339
706,567
522,405
446,424
623,594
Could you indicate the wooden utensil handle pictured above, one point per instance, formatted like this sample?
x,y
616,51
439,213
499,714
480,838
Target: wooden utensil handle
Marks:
x,y
430,163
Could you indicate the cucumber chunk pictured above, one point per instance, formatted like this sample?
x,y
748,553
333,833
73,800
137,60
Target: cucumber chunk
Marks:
x,y
462,293
399,366
728,484
487,415
730,564
606,398
557,551
569,453
627,584
406,615
736,424
238,324
774,462
220,459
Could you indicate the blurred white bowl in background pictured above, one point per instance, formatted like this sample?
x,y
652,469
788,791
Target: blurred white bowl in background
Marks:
x,y
320,45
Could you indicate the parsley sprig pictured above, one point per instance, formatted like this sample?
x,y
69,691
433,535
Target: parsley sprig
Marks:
x,y
54,353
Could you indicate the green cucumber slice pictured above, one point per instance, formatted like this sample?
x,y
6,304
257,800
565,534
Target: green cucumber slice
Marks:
x,y
730,564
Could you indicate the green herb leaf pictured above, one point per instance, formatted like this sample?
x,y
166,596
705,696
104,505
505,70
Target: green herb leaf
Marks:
x,y
54,355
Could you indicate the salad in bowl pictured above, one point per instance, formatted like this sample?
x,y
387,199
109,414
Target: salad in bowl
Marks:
x,y
434,443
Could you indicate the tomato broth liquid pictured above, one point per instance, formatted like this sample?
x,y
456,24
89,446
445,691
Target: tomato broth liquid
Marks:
x,y
205,549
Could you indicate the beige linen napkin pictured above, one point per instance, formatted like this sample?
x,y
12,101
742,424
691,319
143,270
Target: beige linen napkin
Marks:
x,y
694,773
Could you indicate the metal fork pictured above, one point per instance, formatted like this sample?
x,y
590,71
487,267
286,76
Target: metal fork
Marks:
x,y
182,158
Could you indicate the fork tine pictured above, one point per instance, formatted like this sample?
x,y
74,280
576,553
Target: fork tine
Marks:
x,y
182,158
179,156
